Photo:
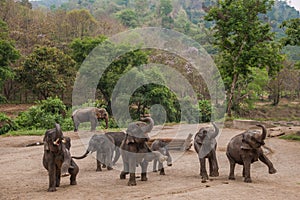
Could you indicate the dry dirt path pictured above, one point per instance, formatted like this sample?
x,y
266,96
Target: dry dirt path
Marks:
x,y
23,176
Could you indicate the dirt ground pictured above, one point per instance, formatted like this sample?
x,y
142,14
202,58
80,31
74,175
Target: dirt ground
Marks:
x,y
23,176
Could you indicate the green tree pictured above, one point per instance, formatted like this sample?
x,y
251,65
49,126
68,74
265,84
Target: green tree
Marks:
x,y
47,71
8,55
292,31
128,18
244,41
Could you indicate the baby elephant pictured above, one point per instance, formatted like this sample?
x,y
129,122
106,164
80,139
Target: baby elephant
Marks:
x,y
104,146
205,145
161,146
245,149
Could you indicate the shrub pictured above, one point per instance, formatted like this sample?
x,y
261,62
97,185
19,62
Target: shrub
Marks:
x,y
6,124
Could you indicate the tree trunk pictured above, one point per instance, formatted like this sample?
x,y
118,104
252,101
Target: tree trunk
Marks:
x,y
231,94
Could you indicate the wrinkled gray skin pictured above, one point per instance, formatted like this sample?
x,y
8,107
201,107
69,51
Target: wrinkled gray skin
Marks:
x,y
57,159
118,138
104,147
161,146
205,145
134,150
245,149
90,114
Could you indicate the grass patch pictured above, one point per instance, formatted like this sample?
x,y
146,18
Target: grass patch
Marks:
x,y
25,132
290,137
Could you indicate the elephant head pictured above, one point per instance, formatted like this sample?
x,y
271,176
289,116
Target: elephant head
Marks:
x,y
252,139
53,139
206,138
101,113
137,132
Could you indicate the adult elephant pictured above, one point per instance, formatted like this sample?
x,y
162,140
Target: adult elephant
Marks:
x,y
245,149
118,138
161,146
134,150
90,114
104,146
205,145
57,159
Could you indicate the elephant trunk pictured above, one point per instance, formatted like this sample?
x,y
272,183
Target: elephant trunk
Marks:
x,y
59,133
216,130
83,156
264,131
149,127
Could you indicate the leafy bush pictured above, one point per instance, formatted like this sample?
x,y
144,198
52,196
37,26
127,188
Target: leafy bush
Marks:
x,y
205,109
44,115
6,124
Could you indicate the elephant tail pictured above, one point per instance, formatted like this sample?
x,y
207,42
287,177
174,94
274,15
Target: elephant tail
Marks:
x,y
81,157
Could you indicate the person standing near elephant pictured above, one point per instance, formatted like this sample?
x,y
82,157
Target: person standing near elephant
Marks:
x,y
89,114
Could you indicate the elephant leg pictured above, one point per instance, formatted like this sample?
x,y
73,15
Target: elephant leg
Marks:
x,y
132,169
108,161
232,166
58,174
247,165
66,164
52,176
99,158
94,123
117,155
203,172
76,125
169,159
154,165
144,166
213,165
73,171
161,169
265,160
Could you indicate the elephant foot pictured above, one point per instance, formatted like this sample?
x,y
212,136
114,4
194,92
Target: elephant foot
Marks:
x,y
162,171
203,180
214,174
103,166
131,183
73,183
144,177
51,189
272,171
109,168
98,170
231,178
248,180
123,175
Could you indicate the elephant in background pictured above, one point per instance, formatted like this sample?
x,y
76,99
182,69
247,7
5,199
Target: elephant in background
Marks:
x,y
134,150
104,146
57,158
90,114
118,138
245,149
205,145
161,146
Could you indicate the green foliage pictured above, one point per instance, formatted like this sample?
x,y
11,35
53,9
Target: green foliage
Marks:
x,y
47,71
292,31
290,137
205,109
44,115
128,18
6,124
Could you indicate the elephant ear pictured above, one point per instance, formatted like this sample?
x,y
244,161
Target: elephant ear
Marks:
x,y
206,147
129,139
245,145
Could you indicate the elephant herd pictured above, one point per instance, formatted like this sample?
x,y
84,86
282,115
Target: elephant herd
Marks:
x,y
132,146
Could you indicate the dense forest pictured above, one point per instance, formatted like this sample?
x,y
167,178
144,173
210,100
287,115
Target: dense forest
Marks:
x,y
255,45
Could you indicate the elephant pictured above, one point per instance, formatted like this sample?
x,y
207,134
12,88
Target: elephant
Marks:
x,y
205,145
57,158
118,138
135,150
244,149
104,146
89,114
161,146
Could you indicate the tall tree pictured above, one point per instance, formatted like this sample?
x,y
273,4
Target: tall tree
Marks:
x,y
244,41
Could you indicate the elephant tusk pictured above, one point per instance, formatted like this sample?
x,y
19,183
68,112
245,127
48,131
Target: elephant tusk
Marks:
x,y
64,141
56,142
